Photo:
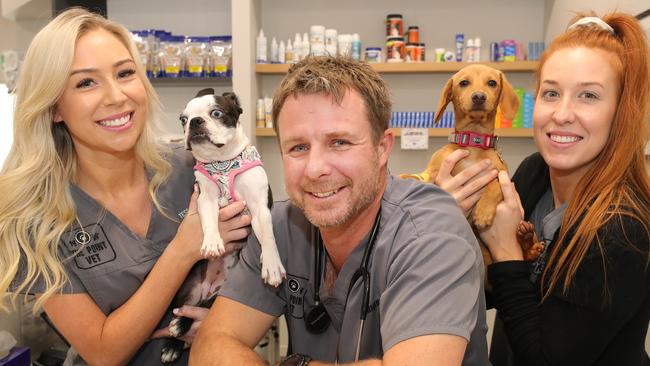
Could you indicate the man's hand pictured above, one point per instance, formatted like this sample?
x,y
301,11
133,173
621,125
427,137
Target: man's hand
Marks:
x,y
467,186
193,312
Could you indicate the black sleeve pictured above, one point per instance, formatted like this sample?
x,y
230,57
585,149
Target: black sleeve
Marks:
x,y
575,329
531,181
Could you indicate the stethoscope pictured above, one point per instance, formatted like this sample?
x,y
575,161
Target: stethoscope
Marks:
x,y
317,320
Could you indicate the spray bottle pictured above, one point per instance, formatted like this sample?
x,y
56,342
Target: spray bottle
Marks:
x,y
261,48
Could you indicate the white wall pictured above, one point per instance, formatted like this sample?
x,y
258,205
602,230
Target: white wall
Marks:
x,y
560,12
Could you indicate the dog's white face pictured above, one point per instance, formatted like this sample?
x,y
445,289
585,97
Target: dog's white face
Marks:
x,y
211,126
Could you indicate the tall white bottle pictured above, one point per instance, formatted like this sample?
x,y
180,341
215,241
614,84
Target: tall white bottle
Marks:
x,y
289,56
281,53
261,48
274,51
297,48
305,45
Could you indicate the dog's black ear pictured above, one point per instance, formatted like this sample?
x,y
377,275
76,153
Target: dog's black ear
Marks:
x,y
206,91
233,98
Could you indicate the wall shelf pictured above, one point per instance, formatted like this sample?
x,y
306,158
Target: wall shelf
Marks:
x,y
421,67
433,132
187,81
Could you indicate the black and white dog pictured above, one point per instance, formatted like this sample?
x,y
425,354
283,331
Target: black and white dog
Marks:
x,y
228,169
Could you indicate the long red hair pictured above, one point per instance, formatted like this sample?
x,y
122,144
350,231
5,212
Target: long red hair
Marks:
x,y
618,184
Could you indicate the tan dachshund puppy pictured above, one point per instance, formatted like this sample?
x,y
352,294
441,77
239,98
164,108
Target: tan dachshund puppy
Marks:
x,y
475,92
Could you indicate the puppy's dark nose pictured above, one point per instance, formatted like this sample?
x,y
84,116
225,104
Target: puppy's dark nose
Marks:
x,y
219,145
478,98
196,121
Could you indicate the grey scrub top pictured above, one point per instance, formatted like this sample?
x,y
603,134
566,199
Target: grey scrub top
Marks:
x,y
115,261
425,278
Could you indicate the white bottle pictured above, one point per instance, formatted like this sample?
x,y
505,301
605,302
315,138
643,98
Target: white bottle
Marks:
x,y
274,51
356,47
305,45
261,114
261,48
469,50
297,48
345,45
288,53
317,34
317,40
477,49
268,112
281,53
331,42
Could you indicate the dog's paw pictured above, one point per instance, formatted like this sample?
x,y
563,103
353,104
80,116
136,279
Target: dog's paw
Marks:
x,y
526,234
172,350
179,326
534,252
212,248
483,216
272,270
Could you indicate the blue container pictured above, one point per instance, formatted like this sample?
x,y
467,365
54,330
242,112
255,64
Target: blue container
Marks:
x,y
494,52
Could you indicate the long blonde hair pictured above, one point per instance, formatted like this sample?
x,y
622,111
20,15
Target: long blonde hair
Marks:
x,y
618,184
36,206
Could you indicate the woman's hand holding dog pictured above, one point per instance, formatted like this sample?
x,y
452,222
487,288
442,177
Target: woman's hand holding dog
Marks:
x,y
501,237
467,186
189,236
233,226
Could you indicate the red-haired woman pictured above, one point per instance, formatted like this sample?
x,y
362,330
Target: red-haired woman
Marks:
x,y
586,300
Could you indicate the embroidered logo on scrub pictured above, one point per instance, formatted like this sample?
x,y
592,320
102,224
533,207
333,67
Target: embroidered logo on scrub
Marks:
x,y
89,245
297,287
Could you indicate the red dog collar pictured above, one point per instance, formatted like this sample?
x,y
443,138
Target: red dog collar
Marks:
x,y
473,139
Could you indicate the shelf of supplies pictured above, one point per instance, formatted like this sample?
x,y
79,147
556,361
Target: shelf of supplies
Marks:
x,y
418,67
433,132
187,81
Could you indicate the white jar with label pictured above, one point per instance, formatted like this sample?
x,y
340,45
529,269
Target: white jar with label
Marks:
x,y
331,41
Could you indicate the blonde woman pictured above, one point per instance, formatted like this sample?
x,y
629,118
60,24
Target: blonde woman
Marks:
x,y
89,206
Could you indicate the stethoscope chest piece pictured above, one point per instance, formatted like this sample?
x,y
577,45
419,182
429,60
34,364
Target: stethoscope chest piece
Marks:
x,y
317,320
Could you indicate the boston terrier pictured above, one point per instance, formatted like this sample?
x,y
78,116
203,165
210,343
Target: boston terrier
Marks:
x,y
228,169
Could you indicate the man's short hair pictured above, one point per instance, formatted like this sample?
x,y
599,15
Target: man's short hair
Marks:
x,y
334,76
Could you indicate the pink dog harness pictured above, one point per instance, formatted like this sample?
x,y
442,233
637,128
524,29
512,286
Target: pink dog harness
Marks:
x,y
223,173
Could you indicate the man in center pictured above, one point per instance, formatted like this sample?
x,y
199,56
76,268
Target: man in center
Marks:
x,y
379,270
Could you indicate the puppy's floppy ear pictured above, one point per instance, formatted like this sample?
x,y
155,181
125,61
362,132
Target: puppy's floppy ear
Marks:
x,y
445,98
508,99
233,98
206,91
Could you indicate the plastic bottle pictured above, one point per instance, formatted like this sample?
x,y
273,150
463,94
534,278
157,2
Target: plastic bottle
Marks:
x,y
297,48
460,41
268,112
345,45
274,51
281,53
261,48
477,49
317,40
288,53
356,47
469,51
305,45
261,114
331,42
